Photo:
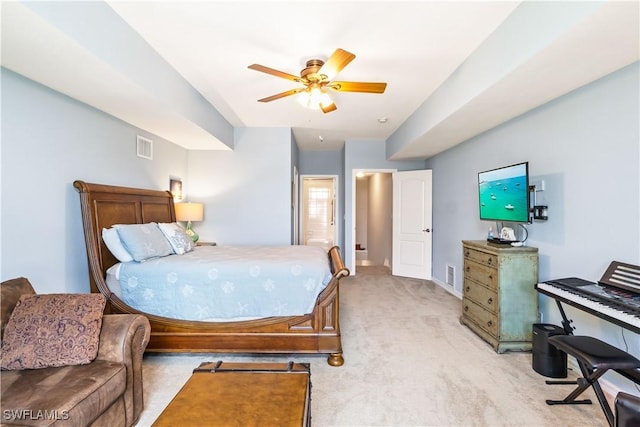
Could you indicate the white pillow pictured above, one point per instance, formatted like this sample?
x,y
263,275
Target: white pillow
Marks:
x,y
144,241
112,240
175,234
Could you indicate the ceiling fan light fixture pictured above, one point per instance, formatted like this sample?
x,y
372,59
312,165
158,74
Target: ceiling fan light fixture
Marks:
x,y
309,99
325,100
316,78
315,98
305,98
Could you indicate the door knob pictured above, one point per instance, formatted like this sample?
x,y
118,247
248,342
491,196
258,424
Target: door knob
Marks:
x,y
427,230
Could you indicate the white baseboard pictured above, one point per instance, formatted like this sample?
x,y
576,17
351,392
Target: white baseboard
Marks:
x,y
447,288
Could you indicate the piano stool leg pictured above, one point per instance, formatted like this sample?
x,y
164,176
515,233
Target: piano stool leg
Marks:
x,y
571,398
590,379
559,382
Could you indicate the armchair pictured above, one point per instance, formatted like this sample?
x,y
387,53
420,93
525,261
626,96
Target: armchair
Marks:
x,y
105,392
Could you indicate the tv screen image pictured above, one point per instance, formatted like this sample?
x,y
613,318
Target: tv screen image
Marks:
x,y
504,193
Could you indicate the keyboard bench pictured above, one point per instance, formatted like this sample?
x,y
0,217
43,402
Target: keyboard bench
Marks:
x,y
595,358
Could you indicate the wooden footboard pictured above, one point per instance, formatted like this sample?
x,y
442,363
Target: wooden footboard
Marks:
x,y
317,332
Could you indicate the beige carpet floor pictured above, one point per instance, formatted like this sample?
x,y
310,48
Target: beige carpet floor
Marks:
x,y
408,362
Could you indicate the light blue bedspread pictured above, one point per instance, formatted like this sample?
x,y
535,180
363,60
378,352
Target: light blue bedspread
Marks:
x,y
227,283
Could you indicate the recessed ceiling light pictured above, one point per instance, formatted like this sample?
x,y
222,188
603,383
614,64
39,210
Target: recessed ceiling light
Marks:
x,y
383,120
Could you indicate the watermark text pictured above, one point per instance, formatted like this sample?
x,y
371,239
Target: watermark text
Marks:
x,y
34,414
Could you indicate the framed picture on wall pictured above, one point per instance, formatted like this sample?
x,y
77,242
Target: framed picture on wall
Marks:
x,y
175,186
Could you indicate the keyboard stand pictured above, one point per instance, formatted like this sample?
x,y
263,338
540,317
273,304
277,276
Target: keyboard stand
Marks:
x,y
568,330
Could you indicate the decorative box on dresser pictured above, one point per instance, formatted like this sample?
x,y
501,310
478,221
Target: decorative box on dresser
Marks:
x,y
500,303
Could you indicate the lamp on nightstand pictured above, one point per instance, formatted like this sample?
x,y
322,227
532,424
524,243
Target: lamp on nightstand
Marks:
x,y
189,212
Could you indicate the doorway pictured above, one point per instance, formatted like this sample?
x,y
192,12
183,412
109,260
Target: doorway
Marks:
x,y
361,215
373,218
318,213
411,209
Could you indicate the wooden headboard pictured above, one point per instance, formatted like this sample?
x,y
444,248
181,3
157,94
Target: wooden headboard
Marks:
x,y
105,205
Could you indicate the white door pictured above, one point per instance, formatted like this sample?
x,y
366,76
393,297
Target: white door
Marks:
x,y
412,224
319,212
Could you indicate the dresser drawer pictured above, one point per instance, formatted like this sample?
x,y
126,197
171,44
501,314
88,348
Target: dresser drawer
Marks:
x,y
480,257
487,298
480,273
483,318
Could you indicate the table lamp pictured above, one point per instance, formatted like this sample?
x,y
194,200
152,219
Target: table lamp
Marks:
x,y
189,212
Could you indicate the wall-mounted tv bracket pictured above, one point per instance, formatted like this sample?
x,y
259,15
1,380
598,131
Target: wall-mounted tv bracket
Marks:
x,y
537,212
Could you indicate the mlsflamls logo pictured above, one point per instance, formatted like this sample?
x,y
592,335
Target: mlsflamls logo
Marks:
x,y
34,414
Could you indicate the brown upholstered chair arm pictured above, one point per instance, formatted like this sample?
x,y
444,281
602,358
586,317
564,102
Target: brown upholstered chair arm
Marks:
x,y
11,290
123,339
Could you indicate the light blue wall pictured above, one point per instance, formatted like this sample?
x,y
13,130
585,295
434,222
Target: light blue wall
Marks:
x,y
48,141
586,147
322,162
246,192
364,154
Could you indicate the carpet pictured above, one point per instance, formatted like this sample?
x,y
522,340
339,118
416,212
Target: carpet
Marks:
x,y
408,362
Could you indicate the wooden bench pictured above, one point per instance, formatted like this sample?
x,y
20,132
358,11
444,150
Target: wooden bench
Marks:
x,y
242,394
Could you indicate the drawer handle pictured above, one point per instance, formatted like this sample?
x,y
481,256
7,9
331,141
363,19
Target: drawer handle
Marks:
x,y
491,277
489,260
490,323
466,308
490,301
468,288
466,253
468,269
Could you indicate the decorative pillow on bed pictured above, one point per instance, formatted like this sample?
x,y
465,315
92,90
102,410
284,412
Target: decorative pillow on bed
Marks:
x,y
114,244
144,241
180,242
53,330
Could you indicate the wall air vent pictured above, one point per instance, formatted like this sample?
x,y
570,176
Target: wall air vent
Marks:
x,y
144,148
451,275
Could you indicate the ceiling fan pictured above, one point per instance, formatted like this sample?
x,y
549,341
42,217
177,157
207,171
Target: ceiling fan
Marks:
x,y
317,77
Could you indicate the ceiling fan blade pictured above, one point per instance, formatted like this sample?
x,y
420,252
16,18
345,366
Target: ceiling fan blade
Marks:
x,y
281,95
329,108
367,87
274,72
336,62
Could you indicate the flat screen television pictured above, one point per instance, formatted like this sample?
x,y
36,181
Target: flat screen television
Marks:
x,y
504,193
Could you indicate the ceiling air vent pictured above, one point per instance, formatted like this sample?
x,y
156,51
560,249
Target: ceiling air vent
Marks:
x,y
144,148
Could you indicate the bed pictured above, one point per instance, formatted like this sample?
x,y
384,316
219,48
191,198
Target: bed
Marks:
x,y
103,206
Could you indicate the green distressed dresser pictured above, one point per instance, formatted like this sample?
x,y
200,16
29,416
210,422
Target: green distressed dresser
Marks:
x,y
500,302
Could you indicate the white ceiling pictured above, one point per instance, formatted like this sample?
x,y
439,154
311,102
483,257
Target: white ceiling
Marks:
x,y
414,46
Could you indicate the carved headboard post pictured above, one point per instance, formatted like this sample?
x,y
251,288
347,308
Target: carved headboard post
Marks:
x,y
91,240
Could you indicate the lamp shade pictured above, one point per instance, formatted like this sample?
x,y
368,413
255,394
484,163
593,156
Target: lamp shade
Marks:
x,y
189,211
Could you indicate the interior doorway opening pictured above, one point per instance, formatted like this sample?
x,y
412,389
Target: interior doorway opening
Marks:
x,y
373,218
318,211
